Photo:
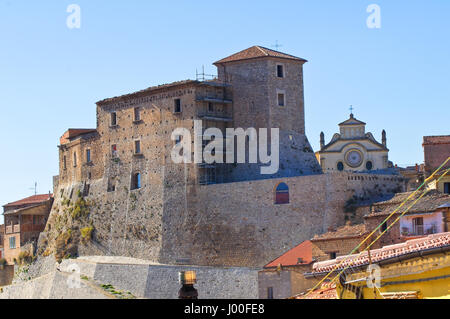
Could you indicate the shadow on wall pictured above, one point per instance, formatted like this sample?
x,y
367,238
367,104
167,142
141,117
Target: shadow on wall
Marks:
x,y
6,275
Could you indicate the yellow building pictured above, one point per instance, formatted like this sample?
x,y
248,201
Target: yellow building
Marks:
x,y
352,149
416,269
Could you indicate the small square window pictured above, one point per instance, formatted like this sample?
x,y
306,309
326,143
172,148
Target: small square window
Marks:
x,y
281,99
177,106
280,71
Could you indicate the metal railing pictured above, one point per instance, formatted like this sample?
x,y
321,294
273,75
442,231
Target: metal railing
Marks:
x,y
420,230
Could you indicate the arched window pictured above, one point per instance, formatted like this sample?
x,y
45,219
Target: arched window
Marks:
x,y
282,194
340,166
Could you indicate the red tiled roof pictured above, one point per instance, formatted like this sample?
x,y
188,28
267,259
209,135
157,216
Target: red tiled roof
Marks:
x,y
428,203
75,132
325,292
35,199
347,231
258,52
387,252
291,258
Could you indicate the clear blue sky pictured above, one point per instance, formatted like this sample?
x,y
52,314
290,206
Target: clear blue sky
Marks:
x,y
397,77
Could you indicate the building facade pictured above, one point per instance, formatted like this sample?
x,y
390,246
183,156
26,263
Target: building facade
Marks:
x,y
352,149
24,221
144,205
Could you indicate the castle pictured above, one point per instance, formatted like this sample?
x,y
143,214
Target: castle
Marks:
x,y
119,193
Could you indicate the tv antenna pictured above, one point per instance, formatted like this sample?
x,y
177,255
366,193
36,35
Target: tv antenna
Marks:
x,y
34,188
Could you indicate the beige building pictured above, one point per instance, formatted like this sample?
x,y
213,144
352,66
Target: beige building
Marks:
x,y
352,149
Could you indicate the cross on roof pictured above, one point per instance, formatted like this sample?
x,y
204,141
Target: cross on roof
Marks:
x,y
276,45
351,109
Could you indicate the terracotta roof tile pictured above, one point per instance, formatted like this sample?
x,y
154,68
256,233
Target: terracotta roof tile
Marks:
x,y
258,52
387,252
343,232
325,292
35,199
291,258
428,203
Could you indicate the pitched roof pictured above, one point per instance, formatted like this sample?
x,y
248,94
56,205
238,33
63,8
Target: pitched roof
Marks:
x,y
352,121
440,240
291,257
347,231
428,203
256,52
32,200
72,133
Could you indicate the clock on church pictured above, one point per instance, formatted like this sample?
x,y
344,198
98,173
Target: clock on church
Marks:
x,y
352,149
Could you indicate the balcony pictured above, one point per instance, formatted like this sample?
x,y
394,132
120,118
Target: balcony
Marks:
x,y
215,115
213,99
420,230
11,229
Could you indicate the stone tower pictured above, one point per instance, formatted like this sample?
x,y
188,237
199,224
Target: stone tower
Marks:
x,y
268,93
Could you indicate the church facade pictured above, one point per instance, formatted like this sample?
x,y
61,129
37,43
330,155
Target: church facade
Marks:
x,y
352,149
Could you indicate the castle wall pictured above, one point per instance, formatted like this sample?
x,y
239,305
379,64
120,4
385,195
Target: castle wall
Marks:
x,y
239,224
234,224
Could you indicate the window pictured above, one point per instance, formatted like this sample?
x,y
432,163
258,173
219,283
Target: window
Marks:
x,y
177,106
65,162
280,71
418,226
383,226
137,147
447,188
369,165
113,119
12,242
282,194
340,166
88,156
114,151
210,107
281,99
137,114
332,255
136,182
111,185
270,293
178,139
74,159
